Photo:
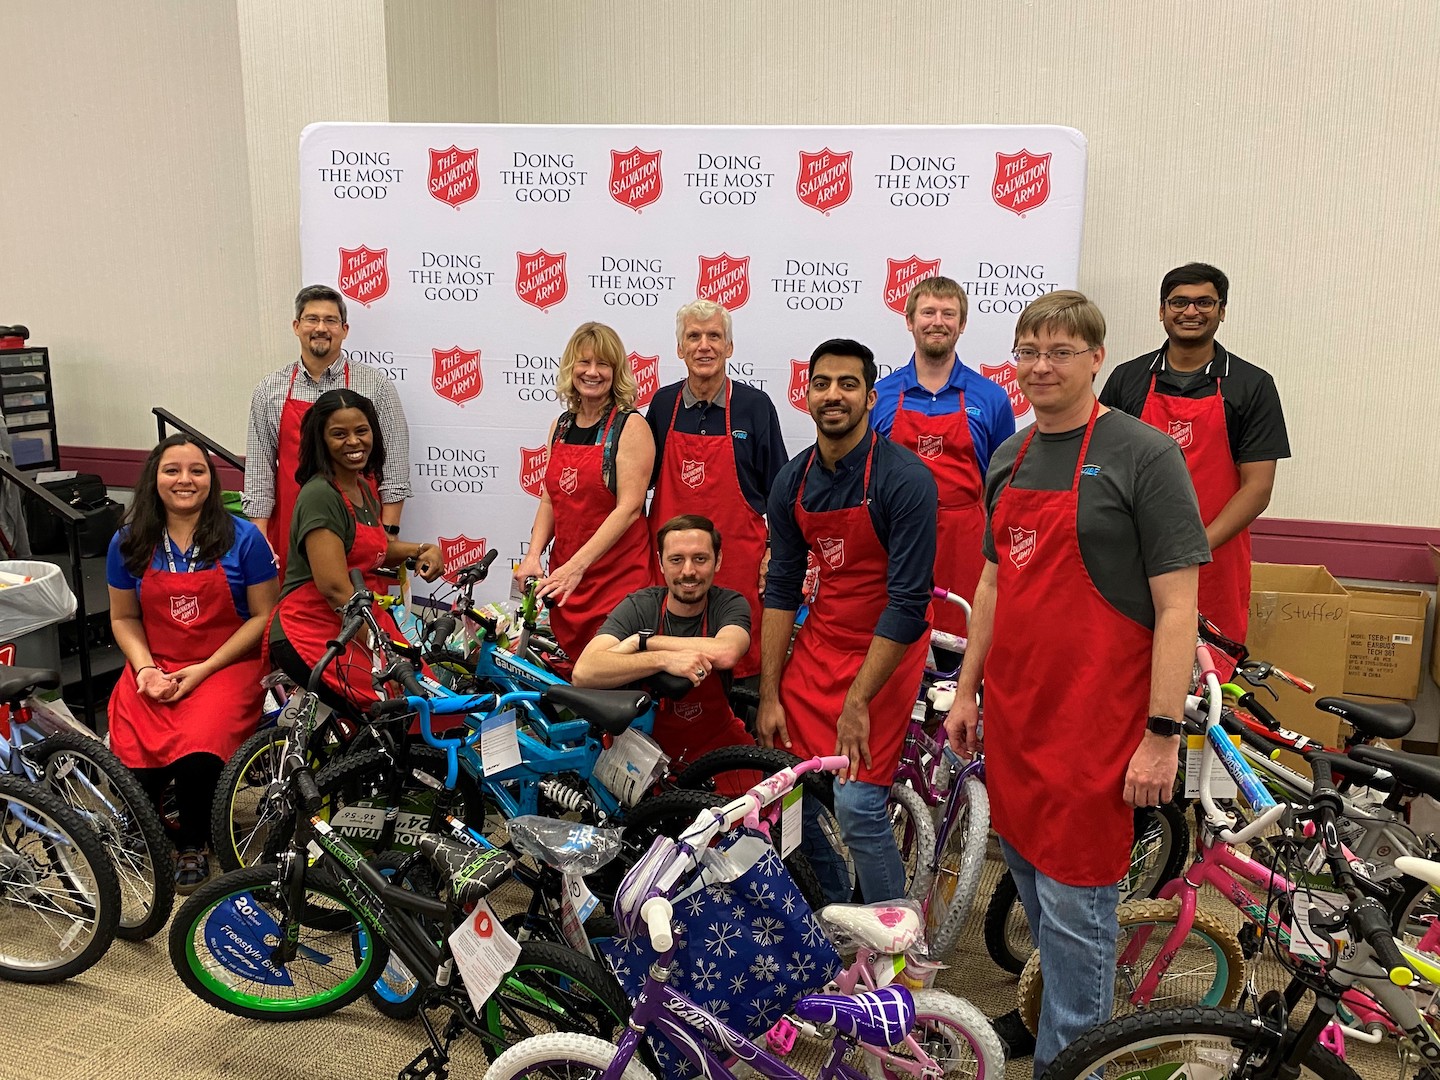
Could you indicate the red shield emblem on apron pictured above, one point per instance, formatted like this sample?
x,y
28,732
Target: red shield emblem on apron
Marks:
x,y
832,550
456,375
460,552
1022,545
824,179
692,473
799,385
569,478
688,710
1005,376
647,377
454,175
364,274
185,609
901,276
724,280
930,446
532,469
1022,181
1181,432
635,179
540,278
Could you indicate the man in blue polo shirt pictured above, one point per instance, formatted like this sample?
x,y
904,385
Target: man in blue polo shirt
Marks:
x,y
953,418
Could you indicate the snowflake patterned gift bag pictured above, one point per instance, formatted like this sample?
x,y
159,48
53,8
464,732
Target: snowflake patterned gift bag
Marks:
x,y
747,944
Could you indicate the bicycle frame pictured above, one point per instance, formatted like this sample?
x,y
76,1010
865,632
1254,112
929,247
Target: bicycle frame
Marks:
x,y
24,731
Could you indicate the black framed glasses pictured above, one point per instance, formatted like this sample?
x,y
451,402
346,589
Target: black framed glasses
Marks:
x,y
1057,357
1177,304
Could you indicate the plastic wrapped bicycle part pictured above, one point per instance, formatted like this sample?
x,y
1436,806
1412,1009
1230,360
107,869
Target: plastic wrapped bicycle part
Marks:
x,y
894,927
639,885
942,695
631,765
568,846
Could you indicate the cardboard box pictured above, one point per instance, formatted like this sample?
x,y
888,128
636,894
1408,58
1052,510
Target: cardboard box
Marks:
x,y
1435,637
1387,637
1300,621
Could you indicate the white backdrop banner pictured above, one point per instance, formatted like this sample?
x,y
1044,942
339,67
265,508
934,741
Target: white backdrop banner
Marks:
x,y
469,253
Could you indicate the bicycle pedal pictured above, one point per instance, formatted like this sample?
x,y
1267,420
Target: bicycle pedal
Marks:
x,y
429,1064
781,1037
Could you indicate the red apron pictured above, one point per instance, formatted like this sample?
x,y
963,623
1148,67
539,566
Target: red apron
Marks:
x,y
944,444
1198,425
836,636
581,502
287,453
1066,692
698,476
702,722
187,617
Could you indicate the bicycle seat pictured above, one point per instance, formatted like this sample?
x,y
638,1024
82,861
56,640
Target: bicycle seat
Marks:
x,y
1393,720
883,928
879,1017
612,711
1414,772
19,682
471,873
567,846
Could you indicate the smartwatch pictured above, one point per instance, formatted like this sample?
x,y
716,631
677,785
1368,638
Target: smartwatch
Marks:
x,y
1164,725
644,637
391,530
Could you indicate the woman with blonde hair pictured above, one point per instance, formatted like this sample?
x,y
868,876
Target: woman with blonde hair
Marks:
x,y
592,504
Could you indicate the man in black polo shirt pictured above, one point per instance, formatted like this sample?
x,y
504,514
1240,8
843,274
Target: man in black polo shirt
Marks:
x,y
1225,414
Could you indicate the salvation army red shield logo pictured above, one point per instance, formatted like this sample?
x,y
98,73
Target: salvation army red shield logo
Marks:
x,y
1022,181
7,654
832,550
930,446
901,276
1007,378
456,374
364,274
185,609
724,280
569,479
532,469
824,179
799,384
459,552
688,710
540,278
454,175
692,473
1181,432
1022,545
635,178
647,377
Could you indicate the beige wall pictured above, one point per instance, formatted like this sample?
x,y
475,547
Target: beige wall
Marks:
x,y
1292,143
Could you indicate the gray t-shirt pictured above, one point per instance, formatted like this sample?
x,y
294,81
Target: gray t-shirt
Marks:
x,y
1138,517
641,611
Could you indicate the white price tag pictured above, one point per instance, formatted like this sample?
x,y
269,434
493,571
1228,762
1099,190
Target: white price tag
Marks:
x,y
499,743
1221,785
484,953
792,820
579,902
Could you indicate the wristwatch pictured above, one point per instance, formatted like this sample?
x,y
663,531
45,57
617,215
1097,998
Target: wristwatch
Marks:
x,y
644,637
1164,725
391,530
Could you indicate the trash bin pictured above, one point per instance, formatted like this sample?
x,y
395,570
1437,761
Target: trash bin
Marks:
x,y
34,598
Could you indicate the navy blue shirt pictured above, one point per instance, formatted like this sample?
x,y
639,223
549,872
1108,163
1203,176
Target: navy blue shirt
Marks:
x,y
992,420
903,504
754,433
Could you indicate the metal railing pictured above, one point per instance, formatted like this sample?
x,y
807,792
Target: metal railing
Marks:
x,y
165,417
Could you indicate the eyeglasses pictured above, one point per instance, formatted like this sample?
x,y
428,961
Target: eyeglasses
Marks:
x,y
1177,304
1057,357
319,320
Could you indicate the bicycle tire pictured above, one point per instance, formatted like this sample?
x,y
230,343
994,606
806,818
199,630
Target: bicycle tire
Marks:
x,y
1007,931
955,1034
126,820
1149,1043
914,831
242,816
553,985
67,877
1207,970
960,867
396,991
558,1055
350,942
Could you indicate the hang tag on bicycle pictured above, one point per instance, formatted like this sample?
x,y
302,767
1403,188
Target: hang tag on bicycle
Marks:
x,y
630,766
792,820
499,742
1222,786
484,953
1307,941
576,907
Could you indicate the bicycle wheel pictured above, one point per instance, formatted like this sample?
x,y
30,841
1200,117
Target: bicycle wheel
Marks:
x,y
554,988
223,939
914,831
246,808
955,1034
1160,851
562,1055
98,787
59,897
957,877
1207,970
1175,1043
1414,905
1007,930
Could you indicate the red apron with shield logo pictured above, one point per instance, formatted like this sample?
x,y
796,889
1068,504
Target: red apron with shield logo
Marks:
x,y
1066,691
287,454
1198,425
581,502
945,445
187,617
835,638
698,476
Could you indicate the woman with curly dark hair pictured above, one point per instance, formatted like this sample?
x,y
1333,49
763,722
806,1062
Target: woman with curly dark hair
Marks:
x,y
191,588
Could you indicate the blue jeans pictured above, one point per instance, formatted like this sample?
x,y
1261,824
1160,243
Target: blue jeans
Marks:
x,y
1075,928
860,809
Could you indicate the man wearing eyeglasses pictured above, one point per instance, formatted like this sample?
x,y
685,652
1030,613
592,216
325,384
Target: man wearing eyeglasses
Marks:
x,y
280,401
1083,628
1225,414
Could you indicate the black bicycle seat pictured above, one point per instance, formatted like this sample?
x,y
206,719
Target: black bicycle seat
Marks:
x,y
17,683
612,711
1392,720
1415,772
472,873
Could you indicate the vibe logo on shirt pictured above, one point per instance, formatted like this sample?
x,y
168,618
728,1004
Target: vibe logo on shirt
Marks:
x,y
1022,546
1089,470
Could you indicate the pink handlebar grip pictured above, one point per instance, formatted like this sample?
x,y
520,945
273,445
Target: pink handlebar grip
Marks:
x,y
834,763
1207,662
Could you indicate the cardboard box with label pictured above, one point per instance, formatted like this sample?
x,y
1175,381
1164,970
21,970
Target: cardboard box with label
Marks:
x,y
1387,636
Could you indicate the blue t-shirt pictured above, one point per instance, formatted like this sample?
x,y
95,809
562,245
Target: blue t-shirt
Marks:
x,y
248,562
992,420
